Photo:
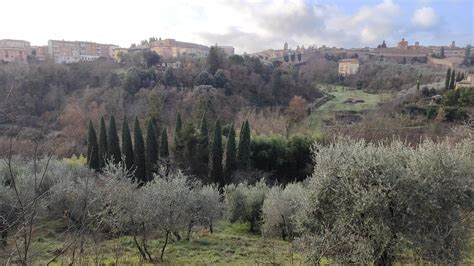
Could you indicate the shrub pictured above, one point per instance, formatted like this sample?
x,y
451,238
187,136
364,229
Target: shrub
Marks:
x,y
244,203
279,209
368,203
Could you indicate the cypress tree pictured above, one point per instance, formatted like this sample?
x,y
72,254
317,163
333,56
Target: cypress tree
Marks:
x,y
243,153
127,147
164,151
151,149
230,154
92,149
113,145
102,144
458,77
448,77
139,158
418,85
203,148
216,174
452,82
178,140
462,76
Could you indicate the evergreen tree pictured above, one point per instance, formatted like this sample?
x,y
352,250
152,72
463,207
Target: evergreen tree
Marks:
x,y
441,54
102,144
164,152
462,76
452,81
213,59
230,154
151,149
127,147
113,145
447,81
179,144
458,77
203,148
418,85
139,158
92,149
243,153
216,174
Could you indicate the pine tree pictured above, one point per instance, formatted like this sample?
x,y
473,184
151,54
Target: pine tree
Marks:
x,y
151,149
203,148
127,147
213,59
216,174
243,153
448,77
452,80
92,149
113,145
164,152
102,144
179,144
139,158
230,154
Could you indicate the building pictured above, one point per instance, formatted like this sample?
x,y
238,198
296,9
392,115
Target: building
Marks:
x,y
402,44
466,83
40,53
14,50
117,53
228,50
170,48
348,67
75,51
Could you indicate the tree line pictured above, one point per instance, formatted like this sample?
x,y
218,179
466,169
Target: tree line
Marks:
x,y
193,149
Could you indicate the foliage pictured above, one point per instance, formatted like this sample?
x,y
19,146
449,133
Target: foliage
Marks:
x,y
466,96
151,148
113,143
243,152
217,173
80,160
279,210
368,203
139,156
244,203
230,154
204,78
127,147
164,150
92,149
102,143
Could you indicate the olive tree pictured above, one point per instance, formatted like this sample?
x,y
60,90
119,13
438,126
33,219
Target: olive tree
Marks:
x,y
244,203
367,203
280,208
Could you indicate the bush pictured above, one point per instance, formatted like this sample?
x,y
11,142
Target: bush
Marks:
x,y
279,209
369,203
244,203
466,97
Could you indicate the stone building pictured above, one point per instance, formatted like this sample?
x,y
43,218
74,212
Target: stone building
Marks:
x,y
402,44
169,48
75,51
468,82
348,67
14,50
228,50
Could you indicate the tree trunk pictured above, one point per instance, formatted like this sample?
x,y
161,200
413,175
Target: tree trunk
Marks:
x,y
177,235
384,260
164,246
188,235
139,248
210,226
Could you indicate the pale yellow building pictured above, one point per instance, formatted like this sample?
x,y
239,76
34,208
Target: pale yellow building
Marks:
x,y
468,82
170,48
348,67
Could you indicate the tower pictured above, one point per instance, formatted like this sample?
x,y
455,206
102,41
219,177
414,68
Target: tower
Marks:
x,y
285,47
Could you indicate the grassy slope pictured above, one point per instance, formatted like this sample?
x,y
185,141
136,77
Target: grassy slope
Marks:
x,y
341,94
231,244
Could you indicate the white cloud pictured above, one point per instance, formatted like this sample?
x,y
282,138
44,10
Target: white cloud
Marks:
x,y
425,17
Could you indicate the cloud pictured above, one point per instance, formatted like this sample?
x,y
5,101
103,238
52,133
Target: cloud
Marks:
x,y
300,22
425,17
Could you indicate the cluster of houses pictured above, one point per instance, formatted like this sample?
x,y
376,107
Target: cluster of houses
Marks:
x,y
61,51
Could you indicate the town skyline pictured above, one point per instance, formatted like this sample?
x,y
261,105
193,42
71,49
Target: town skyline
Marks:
x,y
246,24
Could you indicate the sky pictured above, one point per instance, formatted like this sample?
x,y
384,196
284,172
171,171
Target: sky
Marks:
x,y
248,25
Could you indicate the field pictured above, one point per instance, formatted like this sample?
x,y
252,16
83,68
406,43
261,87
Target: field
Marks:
x,y
343,99
230,244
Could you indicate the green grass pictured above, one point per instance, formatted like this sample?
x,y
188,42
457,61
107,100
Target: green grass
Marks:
x,y
337,103
231,244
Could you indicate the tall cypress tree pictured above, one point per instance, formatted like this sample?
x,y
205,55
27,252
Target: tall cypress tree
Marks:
x,y
113,145
230,154
151,149
164,151
92,149
179,144
203,148
243,153
216,174
127,147
448,77
139,158
452,82
102,144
